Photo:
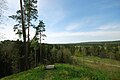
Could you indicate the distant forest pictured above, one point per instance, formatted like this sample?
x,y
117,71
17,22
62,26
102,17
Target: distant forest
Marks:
x,y
12,57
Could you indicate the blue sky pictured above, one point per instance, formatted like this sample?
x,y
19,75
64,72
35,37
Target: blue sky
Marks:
x,y
71,21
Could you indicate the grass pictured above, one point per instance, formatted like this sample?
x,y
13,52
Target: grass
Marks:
x,y
97,60
88,71
62,72
103,60
109,66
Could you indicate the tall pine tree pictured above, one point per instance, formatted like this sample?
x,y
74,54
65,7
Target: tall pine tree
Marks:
x,y
40,29
25,17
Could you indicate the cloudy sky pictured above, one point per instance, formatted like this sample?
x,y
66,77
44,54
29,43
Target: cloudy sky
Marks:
x,y
71,21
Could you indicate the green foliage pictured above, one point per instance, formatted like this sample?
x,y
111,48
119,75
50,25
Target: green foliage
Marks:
x,y
30,15
61,55
78,53
39,30
62,72
66,56
13,58
54,54
34,43
10,57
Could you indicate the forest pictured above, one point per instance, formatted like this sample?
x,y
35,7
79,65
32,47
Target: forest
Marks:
x,y
12,57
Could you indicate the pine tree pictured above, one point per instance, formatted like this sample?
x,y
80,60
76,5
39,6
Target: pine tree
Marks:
x,y
40,29
25,18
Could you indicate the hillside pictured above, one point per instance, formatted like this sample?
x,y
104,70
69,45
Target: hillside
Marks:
x,y
62,72
100,60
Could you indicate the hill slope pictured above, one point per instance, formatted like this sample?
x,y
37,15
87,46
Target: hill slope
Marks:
x,y
62,72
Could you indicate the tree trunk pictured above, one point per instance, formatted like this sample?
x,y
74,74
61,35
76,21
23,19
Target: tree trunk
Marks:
x,y
29,22
40,48
35,59
24,35
28,46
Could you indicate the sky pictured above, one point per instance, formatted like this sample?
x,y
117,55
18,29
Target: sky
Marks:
x,y
71,21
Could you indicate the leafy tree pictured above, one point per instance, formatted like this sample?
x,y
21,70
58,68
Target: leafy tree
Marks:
x,y
10,57
54,54
58,55
34,45
77,51
66,55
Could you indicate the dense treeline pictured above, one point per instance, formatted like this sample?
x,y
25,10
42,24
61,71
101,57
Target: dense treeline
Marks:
x,y
12,58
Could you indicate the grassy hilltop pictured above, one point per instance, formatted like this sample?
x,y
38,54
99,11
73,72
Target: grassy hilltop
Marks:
x,y
90,71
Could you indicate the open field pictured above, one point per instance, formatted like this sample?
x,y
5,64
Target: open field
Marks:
x,y
99,61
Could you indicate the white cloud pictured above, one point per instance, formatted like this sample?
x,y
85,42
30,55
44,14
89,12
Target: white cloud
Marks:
x,y
110,26
1,27
73,26
8,33
82,23
13,6
92,33
108,31
68,37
